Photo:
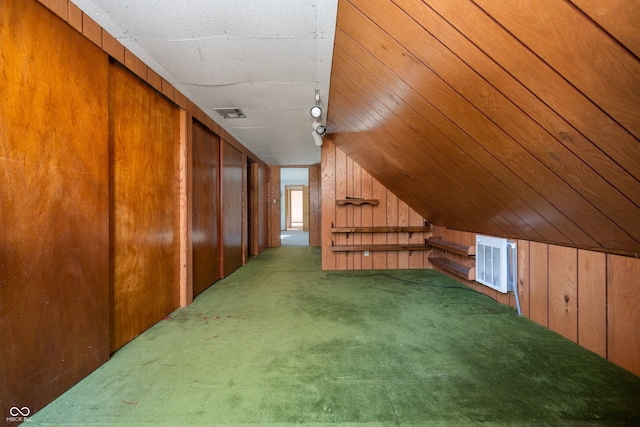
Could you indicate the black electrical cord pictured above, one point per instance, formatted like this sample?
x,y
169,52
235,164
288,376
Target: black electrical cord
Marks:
x,y
402,280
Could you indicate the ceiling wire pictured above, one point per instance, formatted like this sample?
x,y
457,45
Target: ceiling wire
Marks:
x,y
316,37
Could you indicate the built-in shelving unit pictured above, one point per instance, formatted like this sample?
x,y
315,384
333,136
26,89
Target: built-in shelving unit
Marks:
x,y
382,247
460,270
357,202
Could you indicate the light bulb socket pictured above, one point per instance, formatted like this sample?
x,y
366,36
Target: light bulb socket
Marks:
x,y
318,127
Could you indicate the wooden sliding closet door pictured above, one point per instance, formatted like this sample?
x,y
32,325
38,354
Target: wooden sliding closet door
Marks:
x,y
232,200
54,207
206,252
145,130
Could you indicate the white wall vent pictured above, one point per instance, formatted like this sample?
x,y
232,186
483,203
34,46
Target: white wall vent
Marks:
x,y
496,262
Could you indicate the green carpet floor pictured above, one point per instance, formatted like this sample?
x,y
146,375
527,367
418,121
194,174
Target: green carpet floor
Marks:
x,y
281,342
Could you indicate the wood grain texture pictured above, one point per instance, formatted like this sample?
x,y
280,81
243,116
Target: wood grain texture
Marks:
x,y
438,102
623,313
592,301
506,131
586,56
539,283
315,195
341,211
620,18
274,206
379,216
245,208
206,208
545,83
253,204
523,277
455,164
540,130
357,214
403,238
349,212
367,216
232,197
328,217
185,207
375,225
144,167
563,291
392,238
54,201
263,195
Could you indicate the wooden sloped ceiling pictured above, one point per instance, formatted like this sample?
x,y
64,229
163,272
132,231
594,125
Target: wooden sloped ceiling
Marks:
x,y
517,118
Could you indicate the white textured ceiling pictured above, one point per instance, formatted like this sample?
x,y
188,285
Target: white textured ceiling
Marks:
x,y
266,57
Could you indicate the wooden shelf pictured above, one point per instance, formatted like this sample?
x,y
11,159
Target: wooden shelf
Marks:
x,y
468,273
396,247
398,229
456,248
357,202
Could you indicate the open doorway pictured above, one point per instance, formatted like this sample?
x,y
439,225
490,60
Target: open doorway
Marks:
x,y
294,226
296,207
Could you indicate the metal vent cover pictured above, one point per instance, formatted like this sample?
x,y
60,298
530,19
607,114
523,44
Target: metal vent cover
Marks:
x,y
231,113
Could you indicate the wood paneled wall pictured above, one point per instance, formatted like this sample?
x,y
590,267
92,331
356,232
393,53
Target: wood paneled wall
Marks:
x,y
232,199
144,139
96,198
206,251
315,199
517,118
588,297
263,210
342,177
54,207
274,206
258,207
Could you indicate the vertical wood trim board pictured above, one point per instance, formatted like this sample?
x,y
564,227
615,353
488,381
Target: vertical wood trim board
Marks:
x,y
245,208
315,203
274,206
184,207
253,197
263,193
523,277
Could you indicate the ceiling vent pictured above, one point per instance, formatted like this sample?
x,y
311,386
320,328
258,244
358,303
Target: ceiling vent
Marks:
x,y
231,113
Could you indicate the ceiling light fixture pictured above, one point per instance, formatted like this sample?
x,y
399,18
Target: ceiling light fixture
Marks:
x,y
319,128
316,111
